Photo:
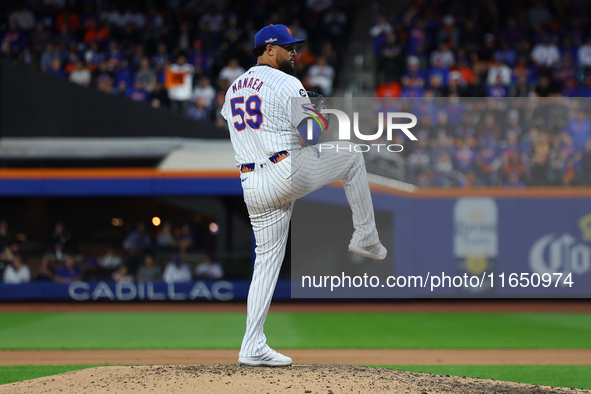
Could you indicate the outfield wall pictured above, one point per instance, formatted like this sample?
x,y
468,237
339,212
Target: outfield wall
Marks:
x,y
512,234
525,234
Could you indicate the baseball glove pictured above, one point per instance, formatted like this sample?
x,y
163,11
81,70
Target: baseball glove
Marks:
x,y
319,103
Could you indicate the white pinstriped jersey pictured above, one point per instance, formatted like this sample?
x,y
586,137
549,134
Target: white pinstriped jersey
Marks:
x,y
263,108
259,113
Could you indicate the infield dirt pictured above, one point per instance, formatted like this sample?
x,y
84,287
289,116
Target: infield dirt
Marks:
x,y
237,379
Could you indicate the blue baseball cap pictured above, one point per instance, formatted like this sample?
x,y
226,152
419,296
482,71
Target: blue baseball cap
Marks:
x,y
275,35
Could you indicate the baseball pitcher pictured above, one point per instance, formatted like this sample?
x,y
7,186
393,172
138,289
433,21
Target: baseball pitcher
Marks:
x,y
279,163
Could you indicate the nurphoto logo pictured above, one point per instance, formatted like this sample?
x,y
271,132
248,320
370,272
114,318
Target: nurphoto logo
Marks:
x,y
344,125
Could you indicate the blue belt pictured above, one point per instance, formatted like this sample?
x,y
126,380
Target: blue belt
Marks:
x,y
276,158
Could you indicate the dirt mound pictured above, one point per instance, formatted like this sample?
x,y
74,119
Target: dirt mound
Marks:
x,y
234,378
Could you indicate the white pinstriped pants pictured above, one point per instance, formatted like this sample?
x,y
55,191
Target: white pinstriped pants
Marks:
x,y
270,194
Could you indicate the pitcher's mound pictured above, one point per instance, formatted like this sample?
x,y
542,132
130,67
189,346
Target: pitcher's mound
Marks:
x,y
238,379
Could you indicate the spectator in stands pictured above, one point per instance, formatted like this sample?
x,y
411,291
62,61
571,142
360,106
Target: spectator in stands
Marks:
x,y
334,25
213,19
443,171
161,58
137,92
321,76
185,238
439,71
105,84
6,257
513,181
464,158
229,73
120,88
521,88
538,16
443,57
435,85
419,160
136,244
164,237
565,71
488,128
68,272
96,32
414,80
449,33
94,57
199,110
17,272
121,275
379,32
545,54
159,97
232,33
146,75
69,18
47,56
108,263
555,168
149,271
297,30
56,69
179,82
90,269
45,272
64,36
580,130
14,39
209,269
390,62
505,54
39,38
184,37
389,88
204,90
487,162
5,236
137,240
177,271
498,73
466,75
23,17
81,74
200,59
61,241
584,54
513,165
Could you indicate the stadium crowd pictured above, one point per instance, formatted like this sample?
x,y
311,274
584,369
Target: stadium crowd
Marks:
x,y
141,257
448,51
183,54
176,54
513,142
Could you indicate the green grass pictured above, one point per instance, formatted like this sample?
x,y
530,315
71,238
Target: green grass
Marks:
x,y
578,377
26,372
294,330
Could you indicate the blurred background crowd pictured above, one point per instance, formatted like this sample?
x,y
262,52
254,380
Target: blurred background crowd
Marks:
x,y
172,254
183,54
135,48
